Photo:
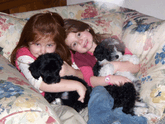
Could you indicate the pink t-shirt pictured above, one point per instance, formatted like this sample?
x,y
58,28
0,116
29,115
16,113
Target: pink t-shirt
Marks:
x,y
24,51
86,62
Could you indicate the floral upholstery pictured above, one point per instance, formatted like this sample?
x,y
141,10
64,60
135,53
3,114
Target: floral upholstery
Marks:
x,y
10,28
20,102
142,34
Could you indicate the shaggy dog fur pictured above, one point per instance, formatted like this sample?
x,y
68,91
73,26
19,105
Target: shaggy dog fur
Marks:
x,y
48,67
113,50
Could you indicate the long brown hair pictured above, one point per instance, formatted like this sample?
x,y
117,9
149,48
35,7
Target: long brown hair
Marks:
x,y
72,25
40,25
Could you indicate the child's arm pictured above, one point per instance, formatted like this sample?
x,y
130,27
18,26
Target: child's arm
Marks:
x,y
114,79
63,85
125,66
96,81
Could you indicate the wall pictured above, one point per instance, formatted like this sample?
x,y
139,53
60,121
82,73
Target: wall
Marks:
x,y
150,7
118,2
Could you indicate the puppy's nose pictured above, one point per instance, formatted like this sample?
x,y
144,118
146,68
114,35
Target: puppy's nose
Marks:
x,y
117,56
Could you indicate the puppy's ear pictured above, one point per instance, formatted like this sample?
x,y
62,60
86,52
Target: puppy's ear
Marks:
x,y
121,48
60,61
102,53
98,53
34,69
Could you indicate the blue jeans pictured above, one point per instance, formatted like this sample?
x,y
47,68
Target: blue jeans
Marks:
x,y
100,110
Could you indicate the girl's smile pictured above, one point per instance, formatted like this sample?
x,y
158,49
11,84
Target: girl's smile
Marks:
x,y
81,42
86,43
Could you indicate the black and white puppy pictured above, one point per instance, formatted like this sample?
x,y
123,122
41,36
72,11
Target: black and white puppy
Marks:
x,y
113,50
48,67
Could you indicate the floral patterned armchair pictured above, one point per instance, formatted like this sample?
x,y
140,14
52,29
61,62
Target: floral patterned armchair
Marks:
x,y
144,36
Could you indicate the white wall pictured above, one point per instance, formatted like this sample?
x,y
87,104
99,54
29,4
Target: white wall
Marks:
x,y
150,7
154,8
118,2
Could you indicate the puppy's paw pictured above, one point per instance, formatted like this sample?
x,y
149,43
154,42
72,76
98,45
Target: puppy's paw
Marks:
x,y
107,69
141,104
137,85
140,110
57,101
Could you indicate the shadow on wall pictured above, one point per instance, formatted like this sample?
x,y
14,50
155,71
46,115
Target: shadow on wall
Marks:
x,y
118,2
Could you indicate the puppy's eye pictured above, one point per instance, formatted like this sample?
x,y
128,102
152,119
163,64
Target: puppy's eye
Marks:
x,y
117,56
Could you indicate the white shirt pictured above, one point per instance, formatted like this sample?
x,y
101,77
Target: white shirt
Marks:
x,y
23,64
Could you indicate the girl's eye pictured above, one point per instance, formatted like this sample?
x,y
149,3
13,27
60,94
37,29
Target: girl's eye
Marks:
x,y
49,45
78,34
37,44
74,44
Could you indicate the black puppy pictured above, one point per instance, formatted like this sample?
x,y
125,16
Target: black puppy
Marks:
x,y
48,67
125,95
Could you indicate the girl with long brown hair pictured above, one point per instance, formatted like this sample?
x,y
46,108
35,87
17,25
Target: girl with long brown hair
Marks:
x,y
82,40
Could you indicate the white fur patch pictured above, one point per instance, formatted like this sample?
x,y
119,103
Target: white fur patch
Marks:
x,y
131,58
107,69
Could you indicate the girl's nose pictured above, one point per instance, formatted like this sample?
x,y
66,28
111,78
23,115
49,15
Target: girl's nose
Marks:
x,y
80,41
43,50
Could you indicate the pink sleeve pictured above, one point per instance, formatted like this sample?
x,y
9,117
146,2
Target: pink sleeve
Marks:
x,y
127,51
72,56
87,73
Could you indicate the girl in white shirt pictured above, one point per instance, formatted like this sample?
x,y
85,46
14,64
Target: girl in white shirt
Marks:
x,y
44,33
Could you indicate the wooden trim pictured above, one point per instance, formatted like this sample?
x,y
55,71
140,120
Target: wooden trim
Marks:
x,y
14,3
15,6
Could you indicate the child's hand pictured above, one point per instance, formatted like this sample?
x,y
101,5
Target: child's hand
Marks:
x,y
118,80
81,89
69,70
66,70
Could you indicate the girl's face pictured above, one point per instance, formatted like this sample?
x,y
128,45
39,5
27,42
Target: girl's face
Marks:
x,y
42,46
81,42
